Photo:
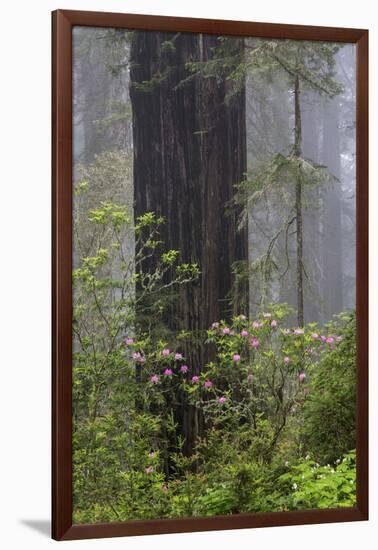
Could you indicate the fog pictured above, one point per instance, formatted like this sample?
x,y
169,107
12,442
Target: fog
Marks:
x,y
103,155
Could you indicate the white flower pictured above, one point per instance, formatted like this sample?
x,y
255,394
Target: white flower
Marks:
x,y
295,486
338,461
287,463
307,457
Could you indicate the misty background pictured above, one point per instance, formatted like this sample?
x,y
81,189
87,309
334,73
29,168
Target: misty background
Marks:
x,y
103,155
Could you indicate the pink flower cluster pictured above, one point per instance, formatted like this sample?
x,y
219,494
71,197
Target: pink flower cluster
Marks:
x,y
255,340
254,343
138,357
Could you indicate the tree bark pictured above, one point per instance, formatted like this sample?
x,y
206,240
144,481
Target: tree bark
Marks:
x,y
189,151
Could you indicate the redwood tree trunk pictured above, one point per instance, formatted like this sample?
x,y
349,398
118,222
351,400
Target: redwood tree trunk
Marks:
x,y
189,151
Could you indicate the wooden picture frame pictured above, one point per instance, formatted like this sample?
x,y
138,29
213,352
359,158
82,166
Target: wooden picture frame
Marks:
x,y
63,22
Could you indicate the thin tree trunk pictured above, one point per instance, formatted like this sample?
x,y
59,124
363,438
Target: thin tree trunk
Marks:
x,y
332,197
311,117
298,203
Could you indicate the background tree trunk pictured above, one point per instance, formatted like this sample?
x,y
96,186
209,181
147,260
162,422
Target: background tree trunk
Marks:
x,y
298,202
332,197
312,120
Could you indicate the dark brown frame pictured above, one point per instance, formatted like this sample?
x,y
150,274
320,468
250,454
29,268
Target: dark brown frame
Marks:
x,y
62,23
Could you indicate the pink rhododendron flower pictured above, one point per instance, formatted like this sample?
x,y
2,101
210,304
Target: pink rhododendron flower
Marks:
x,y
142,359
254,343
236,357
314,336
221,400
286,360
208,384
195,379
163,487
168,372
149,469
286,331
129,341
178,356
301,376
215,325
152,454
330,340
244,333
226,330
339,338
256,324
299,331
165,352
323,338
250,378
184,368
154,379
273,323
136,355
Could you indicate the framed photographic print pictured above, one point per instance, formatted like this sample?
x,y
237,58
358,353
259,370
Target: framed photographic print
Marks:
x,y
210,275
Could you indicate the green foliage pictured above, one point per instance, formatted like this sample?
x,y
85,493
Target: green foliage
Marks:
x,y
170,257
110,213
329,414
313,62
314,486
254,401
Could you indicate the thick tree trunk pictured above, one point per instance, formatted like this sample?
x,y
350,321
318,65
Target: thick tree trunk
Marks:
x,y
189,151
298,203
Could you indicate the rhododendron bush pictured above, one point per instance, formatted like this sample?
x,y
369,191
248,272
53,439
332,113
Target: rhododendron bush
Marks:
x,y
269,404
